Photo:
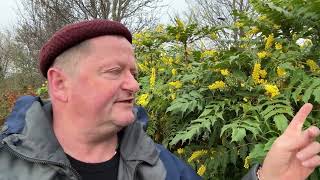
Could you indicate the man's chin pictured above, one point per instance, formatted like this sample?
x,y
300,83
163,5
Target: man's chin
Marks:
x,y
124,121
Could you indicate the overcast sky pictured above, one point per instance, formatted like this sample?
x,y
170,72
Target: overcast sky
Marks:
x,y
8,17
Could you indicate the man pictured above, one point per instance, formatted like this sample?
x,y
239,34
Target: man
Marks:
x,y
89,130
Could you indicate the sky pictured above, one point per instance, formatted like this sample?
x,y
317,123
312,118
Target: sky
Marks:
x,y
8,11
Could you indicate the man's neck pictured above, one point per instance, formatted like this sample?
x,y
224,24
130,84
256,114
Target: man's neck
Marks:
x,y
86,147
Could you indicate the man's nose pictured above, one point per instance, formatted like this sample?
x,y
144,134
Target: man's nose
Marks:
x,y
131,83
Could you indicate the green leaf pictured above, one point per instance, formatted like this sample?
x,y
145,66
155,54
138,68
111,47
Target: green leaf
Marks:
x,y
307,94
316,94
238,134
281,122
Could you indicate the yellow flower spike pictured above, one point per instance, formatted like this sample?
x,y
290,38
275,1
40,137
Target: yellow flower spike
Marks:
x,y
262,54
217,85
142,67
312,65
176,84
174,72
252,31
152,77
256,72
278,46
143,99
159,28
281,72
239,24
269,41
262,18
247,162
202,169
263,73
213,36
271,90
197,154
224,72
180,151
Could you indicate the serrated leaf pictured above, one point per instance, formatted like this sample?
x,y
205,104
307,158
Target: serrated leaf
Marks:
x,y
205,112
281,122
268,145
278,111
238,134
316,94
307,94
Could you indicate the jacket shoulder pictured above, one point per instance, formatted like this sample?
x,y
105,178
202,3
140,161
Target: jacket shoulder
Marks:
x,y
176,168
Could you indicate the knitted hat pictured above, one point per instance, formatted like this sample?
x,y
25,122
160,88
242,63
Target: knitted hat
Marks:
x,y
73,34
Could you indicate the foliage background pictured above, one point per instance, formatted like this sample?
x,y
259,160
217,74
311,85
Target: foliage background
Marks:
x,y
221,108
220,101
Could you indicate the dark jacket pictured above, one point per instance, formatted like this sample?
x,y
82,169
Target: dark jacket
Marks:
x,y
29,150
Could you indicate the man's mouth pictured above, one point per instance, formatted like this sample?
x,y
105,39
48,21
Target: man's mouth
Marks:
x,y
129,101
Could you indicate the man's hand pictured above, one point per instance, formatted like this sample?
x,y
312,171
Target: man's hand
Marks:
x,y
294,155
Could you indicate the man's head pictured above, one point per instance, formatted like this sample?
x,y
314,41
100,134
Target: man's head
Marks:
x,y
93,82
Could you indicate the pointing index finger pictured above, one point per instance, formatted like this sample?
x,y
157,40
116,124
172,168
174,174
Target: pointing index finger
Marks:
x,y
298,120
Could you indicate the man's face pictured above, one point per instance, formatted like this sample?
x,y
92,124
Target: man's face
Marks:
x,y
102,91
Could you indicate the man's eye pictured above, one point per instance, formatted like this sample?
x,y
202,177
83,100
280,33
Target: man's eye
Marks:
x,y
113,73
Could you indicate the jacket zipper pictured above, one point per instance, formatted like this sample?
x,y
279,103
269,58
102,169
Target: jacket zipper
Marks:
x,y
20,156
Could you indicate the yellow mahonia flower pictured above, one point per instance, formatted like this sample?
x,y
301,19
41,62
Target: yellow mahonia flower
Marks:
x,y
281,72
202,169
142,67
167,60
252,31
208,53
258,73
262,18
174,72
271,90
180,151
224,72
312,65
247,162
143,99
214,36
262,54
176,84
197,154
217,85
263,73
269,41
278,46
239,24
159,28
152,77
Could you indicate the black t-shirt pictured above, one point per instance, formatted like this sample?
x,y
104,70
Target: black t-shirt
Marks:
x,y
97,171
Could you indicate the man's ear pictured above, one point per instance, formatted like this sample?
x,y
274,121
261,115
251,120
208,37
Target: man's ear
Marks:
x,y
57,81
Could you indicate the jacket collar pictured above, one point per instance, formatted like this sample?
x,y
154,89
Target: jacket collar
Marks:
x,y
37,140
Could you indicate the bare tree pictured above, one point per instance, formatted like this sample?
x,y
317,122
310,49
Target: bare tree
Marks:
x,y
219,13
39,19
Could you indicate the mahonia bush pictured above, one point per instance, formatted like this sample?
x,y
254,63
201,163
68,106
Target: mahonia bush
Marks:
x,y
221,108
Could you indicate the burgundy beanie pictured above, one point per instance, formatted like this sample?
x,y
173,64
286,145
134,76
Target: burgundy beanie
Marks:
x,y
73,34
